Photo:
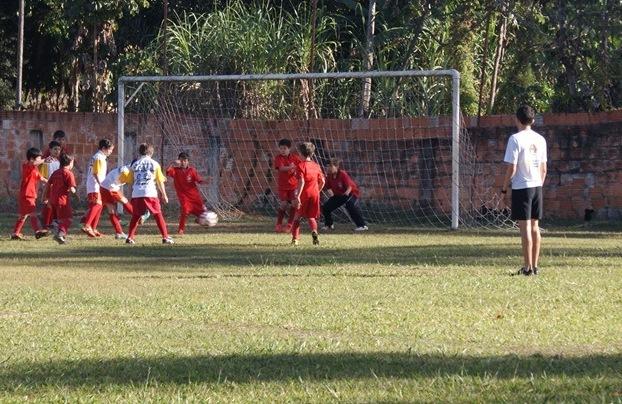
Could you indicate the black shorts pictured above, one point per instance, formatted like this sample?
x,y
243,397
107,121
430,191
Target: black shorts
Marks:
x,y
527,204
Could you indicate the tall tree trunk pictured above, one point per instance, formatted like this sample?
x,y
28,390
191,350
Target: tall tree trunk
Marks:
x,y
164,37
482,75
368,60
307,85
20,55
94,84
499,52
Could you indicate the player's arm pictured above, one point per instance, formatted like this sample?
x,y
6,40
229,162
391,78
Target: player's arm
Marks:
x,y
509,173
321,181
543,171
159,180
46,193
97,169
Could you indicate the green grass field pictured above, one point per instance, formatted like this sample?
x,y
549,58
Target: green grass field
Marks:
x,y
237,315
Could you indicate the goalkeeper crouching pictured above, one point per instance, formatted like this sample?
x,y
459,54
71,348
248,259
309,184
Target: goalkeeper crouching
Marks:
x,y
343,191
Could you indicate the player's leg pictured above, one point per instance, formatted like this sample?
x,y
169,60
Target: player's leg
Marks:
x,y
526,243
536,216
352,206
17,229
280,213
521,212
92,214
312,211
333,203
291,195
114,220
63,215
138,209
46,217
153,205
296,227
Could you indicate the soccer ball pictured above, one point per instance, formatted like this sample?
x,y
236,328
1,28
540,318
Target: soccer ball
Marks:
x,y
208,218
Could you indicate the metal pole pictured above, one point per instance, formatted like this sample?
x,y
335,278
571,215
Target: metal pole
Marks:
x,y
121,124
20,55
455,150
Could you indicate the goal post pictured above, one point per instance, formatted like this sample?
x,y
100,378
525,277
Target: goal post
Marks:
x,y
198,104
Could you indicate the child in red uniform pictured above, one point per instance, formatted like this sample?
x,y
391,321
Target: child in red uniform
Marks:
x,y
61,183
343,191
285,164
310,183
28,194
185,179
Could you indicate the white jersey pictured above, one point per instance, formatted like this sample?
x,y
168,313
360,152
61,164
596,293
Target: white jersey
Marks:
x,y
97,167
115,178
145,172
47,169
526,149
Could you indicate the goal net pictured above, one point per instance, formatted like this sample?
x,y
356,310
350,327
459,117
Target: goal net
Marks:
x,y
399,135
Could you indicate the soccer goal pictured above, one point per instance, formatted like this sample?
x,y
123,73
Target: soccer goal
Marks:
x,y
399,134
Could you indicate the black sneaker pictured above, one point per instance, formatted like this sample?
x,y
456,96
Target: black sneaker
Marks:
x,y
535,271
129,241
60,239
522,271
41,233
316,239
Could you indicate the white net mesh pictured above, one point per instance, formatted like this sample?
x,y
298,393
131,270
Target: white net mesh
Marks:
x,y
398,149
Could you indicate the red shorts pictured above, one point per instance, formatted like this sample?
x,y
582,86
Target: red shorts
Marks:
x,y
286,195
61,211
110,197
94,198
141,205
309,206
27,205
191,207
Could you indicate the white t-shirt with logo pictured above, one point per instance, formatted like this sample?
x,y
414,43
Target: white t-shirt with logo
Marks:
x,y
145,172
526,149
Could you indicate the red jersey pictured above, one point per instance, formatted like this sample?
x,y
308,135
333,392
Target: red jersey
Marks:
x,y
311,173
30,178
287,180
185,181
58,186
340,183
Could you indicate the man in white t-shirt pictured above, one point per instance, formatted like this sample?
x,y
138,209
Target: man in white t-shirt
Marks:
x,y
525,155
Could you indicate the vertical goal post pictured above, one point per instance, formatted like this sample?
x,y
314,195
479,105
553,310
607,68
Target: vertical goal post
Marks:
x,y
454,75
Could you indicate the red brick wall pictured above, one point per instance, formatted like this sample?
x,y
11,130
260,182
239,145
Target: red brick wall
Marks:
x,y
585,165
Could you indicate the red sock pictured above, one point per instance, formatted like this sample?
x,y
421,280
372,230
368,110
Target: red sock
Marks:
x,y
19,225
128,208
64,225
182,222
159,219
34,222
114,219
280,214
99,208
46,214
133,226
92,215
313,224
296,229
292,215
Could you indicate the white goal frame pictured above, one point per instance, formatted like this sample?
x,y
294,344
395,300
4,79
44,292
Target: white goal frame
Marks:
x,y
122,102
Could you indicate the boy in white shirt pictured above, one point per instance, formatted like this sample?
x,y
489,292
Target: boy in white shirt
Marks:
x,y
95,175
526,158
147,177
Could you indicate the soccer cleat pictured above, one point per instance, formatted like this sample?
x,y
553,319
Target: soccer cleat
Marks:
x,y
278,228
144,217
17,237
326,228
120,236
168,240
129,241
316,239
89,232
361,228
60,238
294,242
97,233
41,233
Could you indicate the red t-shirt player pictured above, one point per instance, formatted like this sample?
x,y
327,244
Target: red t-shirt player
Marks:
x,y
310,183
186,179
27,200
286,163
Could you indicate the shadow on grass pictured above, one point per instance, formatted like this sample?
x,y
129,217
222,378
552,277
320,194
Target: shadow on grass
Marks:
x,y
158,258
285,367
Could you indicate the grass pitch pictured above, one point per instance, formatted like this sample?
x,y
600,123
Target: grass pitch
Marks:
x,y
238,315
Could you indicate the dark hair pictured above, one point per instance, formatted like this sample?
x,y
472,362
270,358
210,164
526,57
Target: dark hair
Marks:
x,y
183,156
335,162
525,114
59,134
32,153
65,159
285,142
306,149
144,149
105,144
54,144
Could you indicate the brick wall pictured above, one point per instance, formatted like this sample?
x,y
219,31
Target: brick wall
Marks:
x,y
585,164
